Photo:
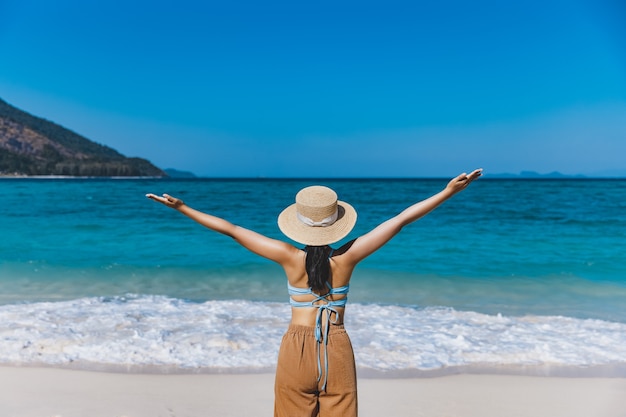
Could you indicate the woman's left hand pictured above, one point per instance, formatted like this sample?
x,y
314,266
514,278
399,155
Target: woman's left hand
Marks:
x,y
462,181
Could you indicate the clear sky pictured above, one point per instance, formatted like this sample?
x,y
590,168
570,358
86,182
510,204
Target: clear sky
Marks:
x,y
329,88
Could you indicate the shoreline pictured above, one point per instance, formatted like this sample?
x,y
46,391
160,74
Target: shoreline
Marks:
x,y
615,370
73,393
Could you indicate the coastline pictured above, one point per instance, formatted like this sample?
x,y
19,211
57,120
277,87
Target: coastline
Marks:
x,y
488,177
74,393
72,177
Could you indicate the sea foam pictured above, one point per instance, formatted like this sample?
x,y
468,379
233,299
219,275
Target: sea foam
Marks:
x,y
155,332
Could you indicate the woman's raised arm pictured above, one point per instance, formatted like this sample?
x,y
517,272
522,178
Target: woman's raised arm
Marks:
x,y
273,249
375,239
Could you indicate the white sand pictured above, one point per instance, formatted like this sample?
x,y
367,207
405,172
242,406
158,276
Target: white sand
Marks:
x,y
46,392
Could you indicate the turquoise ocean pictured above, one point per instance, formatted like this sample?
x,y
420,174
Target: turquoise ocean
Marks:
x,y
510,275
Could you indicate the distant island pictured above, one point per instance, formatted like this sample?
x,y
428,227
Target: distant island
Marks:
x,y
533,174
175,173
32,146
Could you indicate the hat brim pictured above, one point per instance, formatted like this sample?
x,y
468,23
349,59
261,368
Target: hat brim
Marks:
x,y
294,229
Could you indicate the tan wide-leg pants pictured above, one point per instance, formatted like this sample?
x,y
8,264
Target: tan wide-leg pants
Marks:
x,y
297,391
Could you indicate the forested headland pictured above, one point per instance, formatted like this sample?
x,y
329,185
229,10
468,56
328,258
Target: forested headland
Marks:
x,y
33,146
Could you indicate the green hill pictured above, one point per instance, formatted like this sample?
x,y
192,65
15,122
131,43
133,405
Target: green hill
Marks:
x,y
30,145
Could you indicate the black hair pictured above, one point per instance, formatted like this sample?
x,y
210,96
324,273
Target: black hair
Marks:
x,y
318,267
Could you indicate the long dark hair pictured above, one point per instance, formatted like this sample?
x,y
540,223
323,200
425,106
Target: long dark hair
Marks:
x,y
318,267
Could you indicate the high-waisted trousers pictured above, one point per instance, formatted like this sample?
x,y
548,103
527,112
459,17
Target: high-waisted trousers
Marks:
x,y
298,393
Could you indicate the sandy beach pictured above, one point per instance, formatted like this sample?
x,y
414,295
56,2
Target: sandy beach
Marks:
x,y
48,392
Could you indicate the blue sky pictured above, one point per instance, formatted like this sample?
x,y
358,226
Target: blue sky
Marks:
x,y
329,88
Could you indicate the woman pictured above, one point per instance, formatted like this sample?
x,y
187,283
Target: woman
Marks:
x,y
316,373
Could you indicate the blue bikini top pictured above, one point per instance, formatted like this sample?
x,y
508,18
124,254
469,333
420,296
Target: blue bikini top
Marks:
x,y
308,291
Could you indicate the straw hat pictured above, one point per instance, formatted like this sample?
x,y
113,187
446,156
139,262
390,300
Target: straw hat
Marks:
x,y
317,218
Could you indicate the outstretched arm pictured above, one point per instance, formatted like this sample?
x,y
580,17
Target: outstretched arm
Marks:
x,y
272,249
373,240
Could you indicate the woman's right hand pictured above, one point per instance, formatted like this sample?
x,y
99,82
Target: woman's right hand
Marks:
x,y
167,200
